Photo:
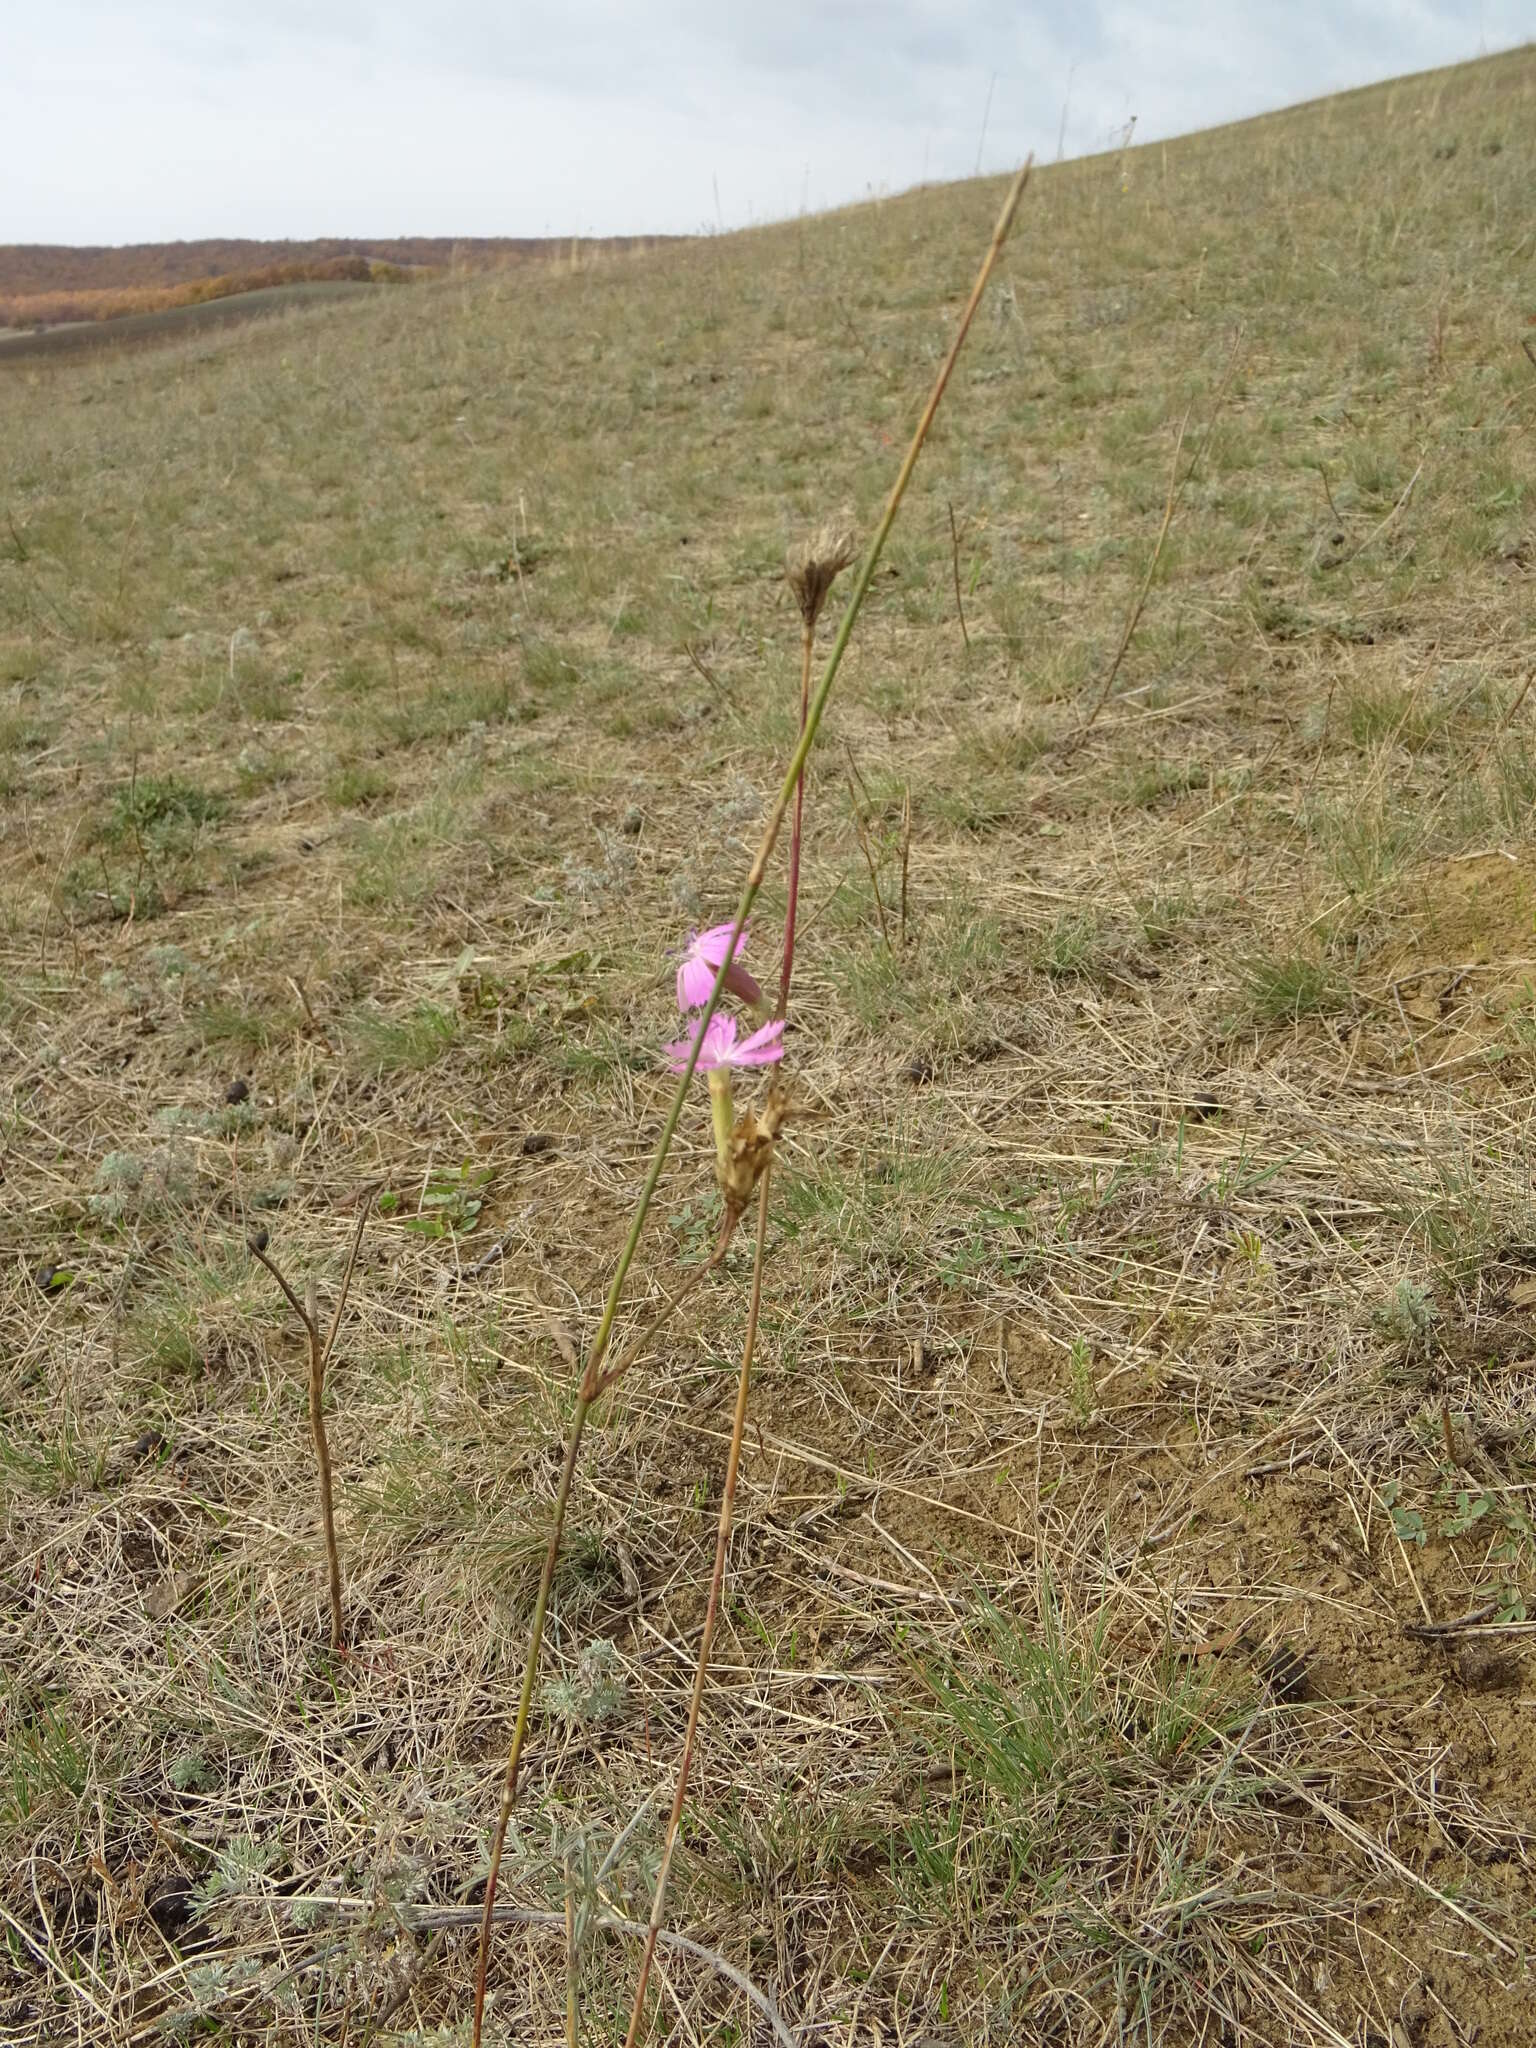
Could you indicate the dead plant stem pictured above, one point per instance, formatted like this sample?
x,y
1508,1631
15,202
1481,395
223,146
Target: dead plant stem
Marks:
x,y
906,854
954,556
307,1312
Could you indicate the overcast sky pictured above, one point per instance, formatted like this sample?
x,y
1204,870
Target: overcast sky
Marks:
x,y
148,120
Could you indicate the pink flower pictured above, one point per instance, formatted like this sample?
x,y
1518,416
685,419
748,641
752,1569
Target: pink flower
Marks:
x,y
720,1049
706,953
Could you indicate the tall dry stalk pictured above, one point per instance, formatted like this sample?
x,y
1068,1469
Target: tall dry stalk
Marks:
x,y
308,1314
591,1380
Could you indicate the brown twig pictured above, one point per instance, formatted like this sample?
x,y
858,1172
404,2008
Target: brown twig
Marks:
x,y
906,850
1427,1631
319,1354
673,1303
717,1576
954,555
1524,687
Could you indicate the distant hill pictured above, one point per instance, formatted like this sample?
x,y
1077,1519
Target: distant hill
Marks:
x,y
37,267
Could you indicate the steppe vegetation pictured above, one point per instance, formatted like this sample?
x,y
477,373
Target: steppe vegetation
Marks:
x,y
1125,1633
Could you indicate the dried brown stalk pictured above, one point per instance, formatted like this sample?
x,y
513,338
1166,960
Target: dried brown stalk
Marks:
x,y
307,1312
906,854
954,556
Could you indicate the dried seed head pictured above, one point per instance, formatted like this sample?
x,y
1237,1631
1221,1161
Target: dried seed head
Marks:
x,y
749,1146
811,566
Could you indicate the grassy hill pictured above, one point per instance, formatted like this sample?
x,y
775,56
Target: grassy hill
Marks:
x,y
1128,1617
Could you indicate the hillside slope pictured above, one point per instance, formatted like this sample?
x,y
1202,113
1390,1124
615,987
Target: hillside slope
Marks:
x,y
1128,1622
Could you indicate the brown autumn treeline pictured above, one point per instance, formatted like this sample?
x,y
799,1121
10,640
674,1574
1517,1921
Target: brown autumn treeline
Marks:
x,y
27,269
53,308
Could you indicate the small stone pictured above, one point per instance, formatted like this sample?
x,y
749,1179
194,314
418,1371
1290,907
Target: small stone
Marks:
x,y
166,1595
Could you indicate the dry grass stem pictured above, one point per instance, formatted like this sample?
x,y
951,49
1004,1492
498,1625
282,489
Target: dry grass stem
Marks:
x,y
320,1350
954,562
810,569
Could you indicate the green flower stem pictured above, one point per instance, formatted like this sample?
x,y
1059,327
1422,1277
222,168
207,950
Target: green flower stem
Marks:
x,y
591,1376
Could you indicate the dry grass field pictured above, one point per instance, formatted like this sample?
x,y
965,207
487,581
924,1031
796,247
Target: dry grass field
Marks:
x,y
1128,1633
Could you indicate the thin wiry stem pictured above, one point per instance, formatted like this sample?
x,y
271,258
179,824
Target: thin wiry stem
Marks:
x,y
323,1459
319,1355
906,854
792,898
590,1378
954,557
711,1611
